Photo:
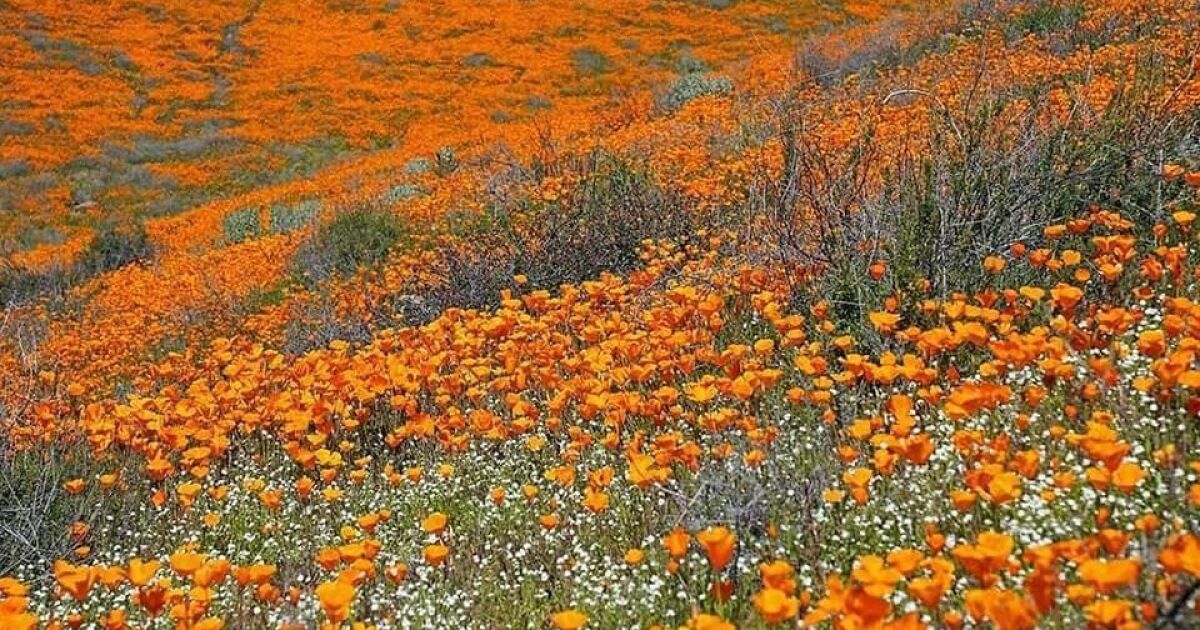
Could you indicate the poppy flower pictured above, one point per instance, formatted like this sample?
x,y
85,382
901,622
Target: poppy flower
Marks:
x,y
435,554
676,542
569,620
435,523
719,544
335,598
775,606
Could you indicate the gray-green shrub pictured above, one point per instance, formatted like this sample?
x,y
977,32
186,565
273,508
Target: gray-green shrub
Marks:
x,y
241,225
289,218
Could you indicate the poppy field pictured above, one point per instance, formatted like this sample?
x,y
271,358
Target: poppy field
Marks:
x,y
690,314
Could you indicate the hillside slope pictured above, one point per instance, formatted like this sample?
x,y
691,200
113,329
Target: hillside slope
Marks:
x,y
890,326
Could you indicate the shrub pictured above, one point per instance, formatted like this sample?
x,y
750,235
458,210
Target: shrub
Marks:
x,y
418,166
12,169
601,225
402,192
318,323
478,60
362,236
537,103
589,61
36,512
114,245
445,161
34,235
286,218
977,183
1045,18
242,225
692,86
597,228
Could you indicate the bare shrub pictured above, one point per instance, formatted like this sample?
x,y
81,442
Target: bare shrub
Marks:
x,y
320,322
598,227
990,172
37,511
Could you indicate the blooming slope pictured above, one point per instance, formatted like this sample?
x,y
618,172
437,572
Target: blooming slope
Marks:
x,y
704,431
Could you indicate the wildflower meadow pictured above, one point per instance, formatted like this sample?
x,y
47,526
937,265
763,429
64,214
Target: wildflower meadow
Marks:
x,y
606,314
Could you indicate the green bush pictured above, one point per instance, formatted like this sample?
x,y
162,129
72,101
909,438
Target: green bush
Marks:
x,y
113,246
692,86
598,228
286,219
1046,17
402,192
977,184
478,60
36,512
242,225
418,166
360,237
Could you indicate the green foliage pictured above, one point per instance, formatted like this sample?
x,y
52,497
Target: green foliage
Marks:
x,y
289,218
598,228
114,246
36,512
980,184
418,166
692,86
402,192
359,237
1045,18
478,60
242,225
34,235
467,224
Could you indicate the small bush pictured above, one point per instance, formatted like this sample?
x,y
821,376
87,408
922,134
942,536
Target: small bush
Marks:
x,y
1046,18
318,323
418,166
114,246
356,238
589,61
402,192
14,168
978,183
18,286
601,225
36,512
16,128
242,225
478,60
286,219
538,103
445,161
598,228
34,235
693,86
